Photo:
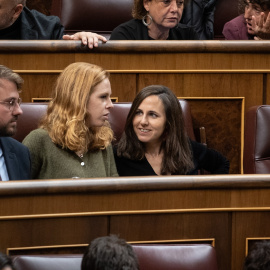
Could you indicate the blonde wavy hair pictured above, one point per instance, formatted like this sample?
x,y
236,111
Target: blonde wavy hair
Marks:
x,y
67,111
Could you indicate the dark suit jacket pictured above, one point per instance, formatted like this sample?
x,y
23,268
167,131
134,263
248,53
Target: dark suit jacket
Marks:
x,y
199,14
35,25
17,159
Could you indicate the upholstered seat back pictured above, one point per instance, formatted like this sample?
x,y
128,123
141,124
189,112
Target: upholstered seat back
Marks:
x,y
175,257
150,257
257,140
100,16
33,112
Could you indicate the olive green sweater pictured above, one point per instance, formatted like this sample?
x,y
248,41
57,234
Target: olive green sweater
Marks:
x,y
50,161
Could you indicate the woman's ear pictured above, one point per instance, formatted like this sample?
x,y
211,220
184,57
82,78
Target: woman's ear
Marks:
x,y
146,4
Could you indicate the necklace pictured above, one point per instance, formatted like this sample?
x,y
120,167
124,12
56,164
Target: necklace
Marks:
x,y
81,155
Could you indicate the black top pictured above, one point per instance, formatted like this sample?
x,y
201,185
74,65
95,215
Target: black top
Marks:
x,y
203,158
33,25
136,30
199,14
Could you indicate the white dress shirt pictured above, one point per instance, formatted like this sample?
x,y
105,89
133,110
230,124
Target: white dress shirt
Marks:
x,y
3,167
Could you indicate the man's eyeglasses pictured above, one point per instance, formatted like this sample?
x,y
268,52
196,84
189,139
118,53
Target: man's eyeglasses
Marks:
x,y
12,103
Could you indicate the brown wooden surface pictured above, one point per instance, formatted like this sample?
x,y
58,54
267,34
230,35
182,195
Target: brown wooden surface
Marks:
x,y
190,68
63,216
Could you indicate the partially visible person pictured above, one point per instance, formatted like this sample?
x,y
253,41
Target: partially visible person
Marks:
x,y
74,138
258,257
254,24
155,140
18,22
6,262
155,20
199,14
15,161
109,253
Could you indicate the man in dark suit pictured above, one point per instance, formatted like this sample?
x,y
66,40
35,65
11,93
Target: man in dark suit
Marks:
x,y
14,157
18,22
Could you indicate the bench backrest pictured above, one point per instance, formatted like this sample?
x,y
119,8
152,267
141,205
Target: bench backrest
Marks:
x,y
150,257
33,112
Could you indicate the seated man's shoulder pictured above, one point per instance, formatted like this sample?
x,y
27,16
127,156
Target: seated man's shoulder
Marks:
x,y
40,16
10,141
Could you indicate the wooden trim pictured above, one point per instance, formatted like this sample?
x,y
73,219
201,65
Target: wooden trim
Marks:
x,y
137,212
212,241
9,250
160,71
125,46
135,184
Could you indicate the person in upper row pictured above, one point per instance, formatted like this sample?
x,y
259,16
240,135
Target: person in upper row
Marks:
x,y
74,138
253,24
155,140
200,15
18,22
155,20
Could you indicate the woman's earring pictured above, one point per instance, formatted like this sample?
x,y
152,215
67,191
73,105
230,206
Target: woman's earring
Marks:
x,y
144,19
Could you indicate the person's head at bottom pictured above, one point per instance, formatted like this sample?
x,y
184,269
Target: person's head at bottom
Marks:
x,y
109,253
258,257
6,262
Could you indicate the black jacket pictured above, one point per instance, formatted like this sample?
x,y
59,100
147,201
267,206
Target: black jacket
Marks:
x,y
135,30
33,25
200,15
203,158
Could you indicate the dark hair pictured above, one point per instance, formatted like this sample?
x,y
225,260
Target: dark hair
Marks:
x,y
259,257
10,75
109,253
175,146
5,261
264,4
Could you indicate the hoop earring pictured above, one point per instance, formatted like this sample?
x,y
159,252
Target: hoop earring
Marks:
x,y
144,19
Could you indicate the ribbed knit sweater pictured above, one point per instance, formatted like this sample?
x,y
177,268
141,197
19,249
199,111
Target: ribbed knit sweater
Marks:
x,y
50,161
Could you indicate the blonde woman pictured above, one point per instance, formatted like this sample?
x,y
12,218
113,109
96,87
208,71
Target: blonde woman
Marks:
x,y
74,138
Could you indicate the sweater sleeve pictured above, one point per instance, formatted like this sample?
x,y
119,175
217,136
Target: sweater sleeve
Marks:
x,y
209,159
112,171
34,144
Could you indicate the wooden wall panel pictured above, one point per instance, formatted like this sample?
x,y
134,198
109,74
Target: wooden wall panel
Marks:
x,y
204,225
37,85
52,232
123,86
223,127
37,61
248,225
210,85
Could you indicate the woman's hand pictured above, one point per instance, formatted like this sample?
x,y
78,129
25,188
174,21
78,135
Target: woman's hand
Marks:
x,y
261,27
